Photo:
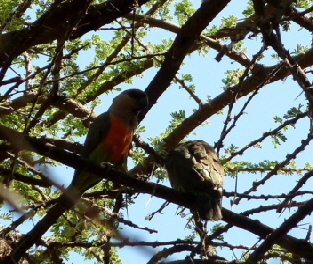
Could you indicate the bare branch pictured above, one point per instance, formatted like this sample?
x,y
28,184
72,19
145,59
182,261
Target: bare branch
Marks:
x,y
271,239
278,166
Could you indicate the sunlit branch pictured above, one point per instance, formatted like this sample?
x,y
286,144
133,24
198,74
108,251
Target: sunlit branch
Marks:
x,y
265,208
288,122
262,170
189,91
295,189
168,26
236,93
55,71
25,179
272,37
106,86
301,19
266,197
219,102
103,66
148,149
159,211
122,243
288,224
146,187
278,166
169,251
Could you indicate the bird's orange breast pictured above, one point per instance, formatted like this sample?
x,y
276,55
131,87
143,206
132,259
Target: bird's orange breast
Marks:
x,y
117,140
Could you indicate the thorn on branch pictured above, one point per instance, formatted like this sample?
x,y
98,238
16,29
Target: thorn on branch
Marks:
x,y
308,235
292,193
279,166
159,211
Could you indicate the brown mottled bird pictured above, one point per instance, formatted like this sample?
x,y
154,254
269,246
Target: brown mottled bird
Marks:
x,y
193,167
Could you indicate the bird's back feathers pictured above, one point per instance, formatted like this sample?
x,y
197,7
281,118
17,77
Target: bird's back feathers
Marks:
x,y
193,167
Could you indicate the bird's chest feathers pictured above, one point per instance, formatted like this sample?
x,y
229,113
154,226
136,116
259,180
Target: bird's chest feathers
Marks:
x,y
117,140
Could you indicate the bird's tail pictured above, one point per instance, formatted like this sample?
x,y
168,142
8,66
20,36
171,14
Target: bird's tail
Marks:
x,y
210,206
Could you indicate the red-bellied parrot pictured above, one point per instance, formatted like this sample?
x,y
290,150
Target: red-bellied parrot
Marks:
x,y
193,167
108,140
110,136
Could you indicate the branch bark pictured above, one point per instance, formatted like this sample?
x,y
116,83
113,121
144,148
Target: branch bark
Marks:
x,y
275,236
260,73
57,20
185,38
297,246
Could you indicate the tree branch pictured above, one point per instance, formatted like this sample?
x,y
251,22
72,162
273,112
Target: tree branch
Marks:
x,y
53,24
276,235
185,38
293,245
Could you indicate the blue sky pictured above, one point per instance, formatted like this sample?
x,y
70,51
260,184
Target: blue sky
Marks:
x,y
273,100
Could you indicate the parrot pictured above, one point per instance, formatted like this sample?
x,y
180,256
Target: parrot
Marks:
x,y
108,140
193,167
109,137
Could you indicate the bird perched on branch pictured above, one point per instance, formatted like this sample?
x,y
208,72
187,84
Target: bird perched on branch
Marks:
x,y
110,136
193,167
108,140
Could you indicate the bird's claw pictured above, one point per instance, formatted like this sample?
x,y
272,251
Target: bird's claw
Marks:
x,y
107,165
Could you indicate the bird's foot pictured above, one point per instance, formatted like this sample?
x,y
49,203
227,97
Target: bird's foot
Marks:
x,y
107,165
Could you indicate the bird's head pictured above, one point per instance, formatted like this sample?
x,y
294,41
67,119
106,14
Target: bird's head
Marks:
x,y
133,100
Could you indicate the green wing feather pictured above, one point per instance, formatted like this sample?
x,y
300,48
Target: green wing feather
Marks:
x,y
125,107
83,180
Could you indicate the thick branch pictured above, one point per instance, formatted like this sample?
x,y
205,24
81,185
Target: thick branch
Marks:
x,y
55,22
293,245
159,23
185,38
22,178
260,73
286,226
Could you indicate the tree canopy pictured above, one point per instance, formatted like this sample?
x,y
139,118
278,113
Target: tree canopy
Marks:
x,y
238,79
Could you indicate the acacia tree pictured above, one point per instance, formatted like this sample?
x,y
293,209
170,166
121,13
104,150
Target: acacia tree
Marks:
x,y
49,93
